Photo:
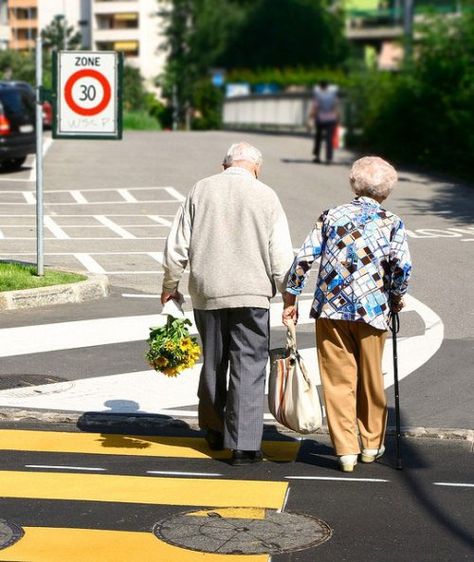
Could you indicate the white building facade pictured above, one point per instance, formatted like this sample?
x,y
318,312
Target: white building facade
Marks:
x,y
132,27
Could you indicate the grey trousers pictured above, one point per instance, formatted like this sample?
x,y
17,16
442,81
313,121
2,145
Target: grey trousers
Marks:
x,y
238,339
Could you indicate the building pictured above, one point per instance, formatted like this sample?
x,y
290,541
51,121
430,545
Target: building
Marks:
x,y
27,17
132,27
4,27
376,27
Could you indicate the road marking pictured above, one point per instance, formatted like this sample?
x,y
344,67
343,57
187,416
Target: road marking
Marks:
x,y
114,227
158,256
52,544
130,445
160,220
55,229
29,196
47,143
454,484
89,263
127,196
176,194
78,197
2,235
61,467
139,296
52,203
336,478
176,473
142,489
467,240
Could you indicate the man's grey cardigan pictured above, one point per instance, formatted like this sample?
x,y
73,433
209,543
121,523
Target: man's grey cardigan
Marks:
x,y
233,232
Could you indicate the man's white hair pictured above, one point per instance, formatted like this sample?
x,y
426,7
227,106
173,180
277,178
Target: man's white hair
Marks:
x,y
373,177
243,151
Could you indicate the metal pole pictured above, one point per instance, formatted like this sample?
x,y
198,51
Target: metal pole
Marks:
x,y
395,327
408,16
175,107
39,160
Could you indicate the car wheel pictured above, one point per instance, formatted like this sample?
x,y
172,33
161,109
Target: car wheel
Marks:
x,y
13,163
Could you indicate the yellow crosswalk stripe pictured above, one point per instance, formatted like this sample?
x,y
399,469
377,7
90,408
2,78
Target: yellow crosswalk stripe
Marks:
x,y
41,544
142,489
136,445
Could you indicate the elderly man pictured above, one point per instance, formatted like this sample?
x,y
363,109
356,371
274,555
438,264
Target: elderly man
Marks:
x,y
363,275
233,232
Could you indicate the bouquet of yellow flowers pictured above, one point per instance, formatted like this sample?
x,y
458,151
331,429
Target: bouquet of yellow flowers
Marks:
x,y
171,348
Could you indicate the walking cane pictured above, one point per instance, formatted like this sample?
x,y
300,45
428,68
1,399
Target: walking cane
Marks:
x,y
395,327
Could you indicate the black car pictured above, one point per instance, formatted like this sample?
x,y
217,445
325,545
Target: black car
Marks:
x,y
17,124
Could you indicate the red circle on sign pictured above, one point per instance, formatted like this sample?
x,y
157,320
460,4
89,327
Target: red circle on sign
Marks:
x,y
87,73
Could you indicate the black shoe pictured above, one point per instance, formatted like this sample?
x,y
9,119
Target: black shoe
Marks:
x,y
214,439
317,160
245,457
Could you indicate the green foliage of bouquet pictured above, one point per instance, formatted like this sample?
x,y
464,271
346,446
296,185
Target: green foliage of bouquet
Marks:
x,y
171,348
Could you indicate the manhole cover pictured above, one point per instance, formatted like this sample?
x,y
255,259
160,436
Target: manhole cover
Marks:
x,y
23,383
243,531
9,533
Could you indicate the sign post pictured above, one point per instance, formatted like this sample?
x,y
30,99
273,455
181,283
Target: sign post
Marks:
x,y
88,88
39,160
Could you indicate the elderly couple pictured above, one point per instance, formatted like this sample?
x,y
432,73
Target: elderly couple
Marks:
x,y
233,232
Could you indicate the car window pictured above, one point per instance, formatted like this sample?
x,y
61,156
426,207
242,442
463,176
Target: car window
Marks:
x,y
15,101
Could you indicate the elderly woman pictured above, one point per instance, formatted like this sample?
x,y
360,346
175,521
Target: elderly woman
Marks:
x,y
363,275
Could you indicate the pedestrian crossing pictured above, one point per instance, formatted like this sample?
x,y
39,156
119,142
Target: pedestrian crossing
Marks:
x,y
47,490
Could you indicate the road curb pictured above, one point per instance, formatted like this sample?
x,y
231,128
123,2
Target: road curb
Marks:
x,y
94,287
148,422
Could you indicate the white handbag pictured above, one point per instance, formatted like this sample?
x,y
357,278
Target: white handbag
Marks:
x,y
293,396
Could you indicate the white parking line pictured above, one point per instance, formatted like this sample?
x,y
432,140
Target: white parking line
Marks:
x,y
47,143
454,484
176,194
160,220
1,234
58,232
59,467
336,478
114,227
177,473
78,197
29,198
125,193
158,256
89,263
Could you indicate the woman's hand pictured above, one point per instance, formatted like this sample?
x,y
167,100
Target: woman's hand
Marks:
x,y
290,311
290,315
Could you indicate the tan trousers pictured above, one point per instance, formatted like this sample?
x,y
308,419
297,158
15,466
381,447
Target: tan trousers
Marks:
x,y
350,363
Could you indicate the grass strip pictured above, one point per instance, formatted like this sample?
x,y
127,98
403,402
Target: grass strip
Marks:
x,y
16,276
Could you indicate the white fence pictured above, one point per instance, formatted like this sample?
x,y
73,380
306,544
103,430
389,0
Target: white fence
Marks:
x,y
285,112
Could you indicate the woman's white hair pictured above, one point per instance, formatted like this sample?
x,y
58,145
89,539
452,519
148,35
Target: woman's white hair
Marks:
x,y
373,177
243,151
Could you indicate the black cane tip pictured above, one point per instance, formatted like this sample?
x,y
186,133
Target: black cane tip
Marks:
x,y
399,465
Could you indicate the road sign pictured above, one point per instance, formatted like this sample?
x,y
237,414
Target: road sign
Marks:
x,y
88,92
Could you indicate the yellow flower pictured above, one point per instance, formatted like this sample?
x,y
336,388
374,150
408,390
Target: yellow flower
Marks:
x,y
170,345
170,372
161,362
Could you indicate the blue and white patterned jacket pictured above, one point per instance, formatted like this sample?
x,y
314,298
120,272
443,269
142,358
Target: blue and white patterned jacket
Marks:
x,y
364,258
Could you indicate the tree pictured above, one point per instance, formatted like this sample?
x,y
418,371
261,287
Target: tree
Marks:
x,y
57,35
202,34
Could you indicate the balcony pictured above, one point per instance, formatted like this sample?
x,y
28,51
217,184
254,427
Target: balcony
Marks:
x,y
108,7
112,35
22,4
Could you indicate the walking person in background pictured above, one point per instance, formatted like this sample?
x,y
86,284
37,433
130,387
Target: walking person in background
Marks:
x,y
363,274
234,233
325,112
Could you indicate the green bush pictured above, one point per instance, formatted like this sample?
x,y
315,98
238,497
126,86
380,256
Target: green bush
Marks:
x,y
207,104
140,121
424,114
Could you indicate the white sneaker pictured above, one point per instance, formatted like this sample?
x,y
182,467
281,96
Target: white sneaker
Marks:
x,y
347,462
371,455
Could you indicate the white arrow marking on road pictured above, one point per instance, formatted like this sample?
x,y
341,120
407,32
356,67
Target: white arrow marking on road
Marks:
x,y
149,392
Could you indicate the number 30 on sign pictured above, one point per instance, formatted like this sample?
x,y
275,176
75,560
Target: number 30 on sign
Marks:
x,y
88,88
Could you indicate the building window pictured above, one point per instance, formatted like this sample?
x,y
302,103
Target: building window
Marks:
x,y
117,21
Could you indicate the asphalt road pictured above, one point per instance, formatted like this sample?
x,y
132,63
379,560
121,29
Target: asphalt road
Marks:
x,y
108,208
422,513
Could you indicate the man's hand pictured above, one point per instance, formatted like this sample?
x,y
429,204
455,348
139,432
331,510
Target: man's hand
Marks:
x,y
175,295
396,303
